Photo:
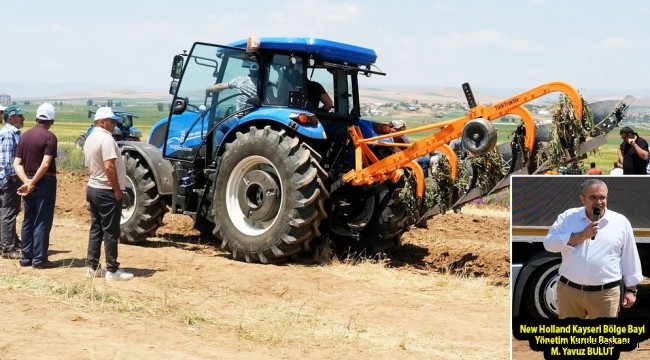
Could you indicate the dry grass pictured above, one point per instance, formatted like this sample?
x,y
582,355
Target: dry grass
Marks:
x,y
275,319
496,211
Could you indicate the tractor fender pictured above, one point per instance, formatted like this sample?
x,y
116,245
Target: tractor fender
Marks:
x,y
160,167
283,116
274,117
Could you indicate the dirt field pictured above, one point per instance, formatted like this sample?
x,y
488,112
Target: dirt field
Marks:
x,y
190,301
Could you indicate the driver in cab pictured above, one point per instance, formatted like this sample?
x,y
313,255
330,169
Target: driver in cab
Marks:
x,y
245,84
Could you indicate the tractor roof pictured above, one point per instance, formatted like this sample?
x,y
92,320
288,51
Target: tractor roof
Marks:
x,y
121,113
124,113
324,50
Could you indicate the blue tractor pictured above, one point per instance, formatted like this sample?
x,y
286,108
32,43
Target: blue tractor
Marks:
x,y
250,155
124,131
262,172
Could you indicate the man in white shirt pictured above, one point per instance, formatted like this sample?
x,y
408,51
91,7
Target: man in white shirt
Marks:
x,y
618,169
104,194
596,255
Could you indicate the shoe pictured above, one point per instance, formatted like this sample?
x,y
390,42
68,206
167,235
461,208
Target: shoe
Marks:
x,y
90,273
118,275
25,262
45,265
11,255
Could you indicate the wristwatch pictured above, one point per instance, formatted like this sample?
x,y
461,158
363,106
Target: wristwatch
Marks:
x,y
633,291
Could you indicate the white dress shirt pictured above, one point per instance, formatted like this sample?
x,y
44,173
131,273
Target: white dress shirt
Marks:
x,y
611,256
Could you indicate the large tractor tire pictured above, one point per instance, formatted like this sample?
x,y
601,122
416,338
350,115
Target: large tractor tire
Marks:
x,y
269,196
143,208
382,218
541,292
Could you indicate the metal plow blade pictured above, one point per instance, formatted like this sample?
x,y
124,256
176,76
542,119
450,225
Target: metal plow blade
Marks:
x,y
606,115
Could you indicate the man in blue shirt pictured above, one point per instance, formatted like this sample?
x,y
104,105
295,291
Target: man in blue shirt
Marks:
x,y
9,199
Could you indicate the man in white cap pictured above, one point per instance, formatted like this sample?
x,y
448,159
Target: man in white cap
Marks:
x,y
104,193
14,118
35,165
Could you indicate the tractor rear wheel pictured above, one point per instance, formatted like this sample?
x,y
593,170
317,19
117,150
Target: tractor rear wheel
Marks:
x,y
269,196
142,207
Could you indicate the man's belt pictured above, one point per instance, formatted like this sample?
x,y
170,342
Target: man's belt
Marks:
x,y
570,283
49,173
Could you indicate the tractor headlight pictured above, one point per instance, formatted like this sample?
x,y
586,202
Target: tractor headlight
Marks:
x,y
135,133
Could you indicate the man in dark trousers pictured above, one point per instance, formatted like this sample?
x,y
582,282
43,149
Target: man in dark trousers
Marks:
x,y
633,152
35,165
104,193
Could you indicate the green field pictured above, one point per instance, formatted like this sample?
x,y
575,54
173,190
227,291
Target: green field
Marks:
x,y
72,120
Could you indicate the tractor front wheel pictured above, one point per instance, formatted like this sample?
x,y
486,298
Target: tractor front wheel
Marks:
x,y
142,207
269,196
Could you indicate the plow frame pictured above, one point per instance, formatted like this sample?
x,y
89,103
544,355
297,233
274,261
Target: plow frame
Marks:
x,y
369,169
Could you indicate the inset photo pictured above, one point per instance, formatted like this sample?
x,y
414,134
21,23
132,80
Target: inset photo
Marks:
x,y
580,258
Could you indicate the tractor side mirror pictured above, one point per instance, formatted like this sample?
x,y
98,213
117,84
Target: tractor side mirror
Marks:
x,y
177,67
173,87
179,106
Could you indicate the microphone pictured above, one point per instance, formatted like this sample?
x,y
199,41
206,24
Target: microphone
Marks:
x,y
595,218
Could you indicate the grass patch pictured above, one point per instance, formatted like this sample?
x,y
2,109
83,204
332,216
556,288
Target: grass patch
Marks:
x,y
70,158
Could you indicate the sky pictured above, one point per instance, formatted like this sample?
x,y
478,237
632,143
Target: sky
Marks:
x,y
591,44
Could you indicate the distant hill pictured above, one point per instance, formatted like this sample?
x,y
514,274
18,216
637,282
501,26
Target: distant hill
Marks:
x,y
78,92
421,95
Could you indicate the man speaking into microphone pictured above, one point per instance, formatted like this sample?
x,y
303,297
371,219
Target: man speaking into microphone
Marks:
x,y
598,250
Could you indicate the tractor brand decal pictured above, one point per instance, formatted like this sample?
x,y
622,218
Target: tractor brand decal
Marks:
x,y
506,103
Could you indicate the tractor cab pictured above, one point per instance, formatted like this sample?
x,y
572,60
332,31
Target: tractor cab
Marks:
x,y
262,81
